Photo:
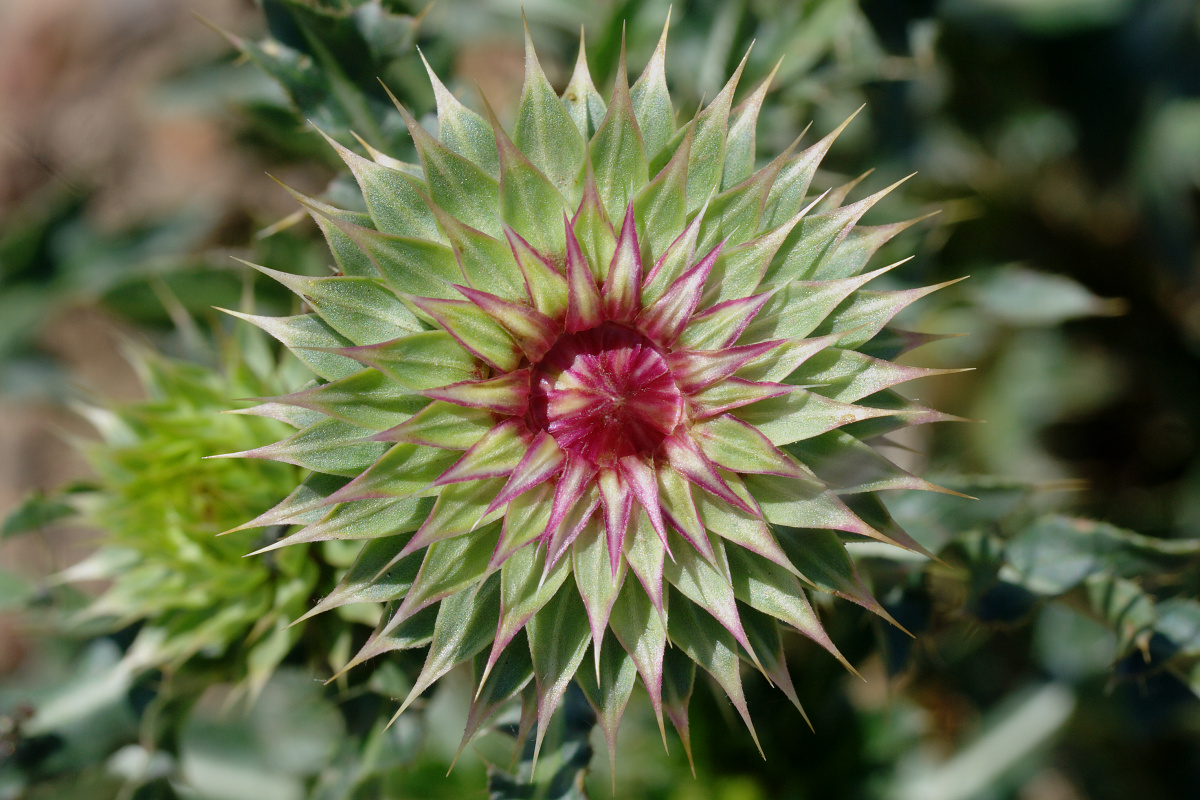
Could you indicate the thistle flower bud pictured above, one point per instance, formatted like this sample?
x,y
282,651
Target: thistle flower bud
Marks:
x,y
595,384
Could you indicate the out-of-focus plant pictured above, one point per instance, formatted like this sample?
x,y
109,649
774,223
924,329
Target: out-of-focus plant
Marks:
x,y
329,59
160,503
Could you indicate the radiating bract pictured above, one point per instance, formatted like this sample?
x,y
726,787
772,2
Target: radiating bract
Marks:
x,y
595,382
158,503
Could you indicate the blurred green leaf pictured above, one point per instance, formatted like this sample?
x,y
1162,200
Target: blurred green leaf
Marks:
x,y
1044,16
263,752
1022,297
83,710
1057,553
13,591
562,763
329,59
36,512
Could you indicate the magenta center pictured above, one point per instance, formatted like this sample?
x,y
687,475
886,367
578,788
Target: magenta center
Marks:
x,y
604,394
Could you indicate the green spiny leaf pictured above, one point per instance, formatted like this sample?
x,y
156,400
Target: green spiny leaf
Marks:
x,y
461,129
583,103
306,336
546,132
618,155
419,361
713,648
465,625
458,186
558,640
651,100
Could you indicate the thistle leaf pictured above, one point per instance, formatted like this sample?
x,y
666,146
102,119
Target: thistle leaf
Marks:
x,y
802,414
707,586
450,565
740,149
443,425
493,456
511,673
367,398
733,215
802,504
416,631
743,528
533,331
740,269
598,587
405,470
464,627
546,133
673,262
474,330
543,280
583,103
583,297
848,465
375,576
525,589
714,649
799,308
460,509
360,309
307,336
679,507
731,444
678,680
524,521
331,445
708,143
618,153
850,257
864,313
593,227
764,635
458,186
485,261
774,591
813,242
788,193
407,264
609,691
417,361
506,394
461,129
661,207
638,625
527,196
822,560
651,101
304,505
621,295
350,258
558,640
368,519
394,198
645,553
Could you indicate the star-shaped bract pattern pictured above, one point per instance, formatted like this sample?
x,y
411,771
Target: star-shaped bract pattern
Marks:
x,y
598,385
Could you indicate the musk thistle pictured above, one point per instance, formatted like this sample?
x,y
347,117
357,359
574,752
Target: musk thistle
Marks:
x,y
594,382
158,503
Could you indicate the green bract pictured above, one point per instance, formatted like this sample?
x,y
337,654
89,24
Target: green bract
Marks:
x,y
160,502
595,384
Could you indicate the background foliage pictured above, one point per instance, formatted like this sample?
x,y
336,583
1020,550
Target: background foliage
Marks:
x,y
1057,643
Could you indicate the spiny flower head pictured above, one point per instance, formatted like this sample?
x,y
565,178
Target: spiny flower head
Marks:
x,y
594,383
158,503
